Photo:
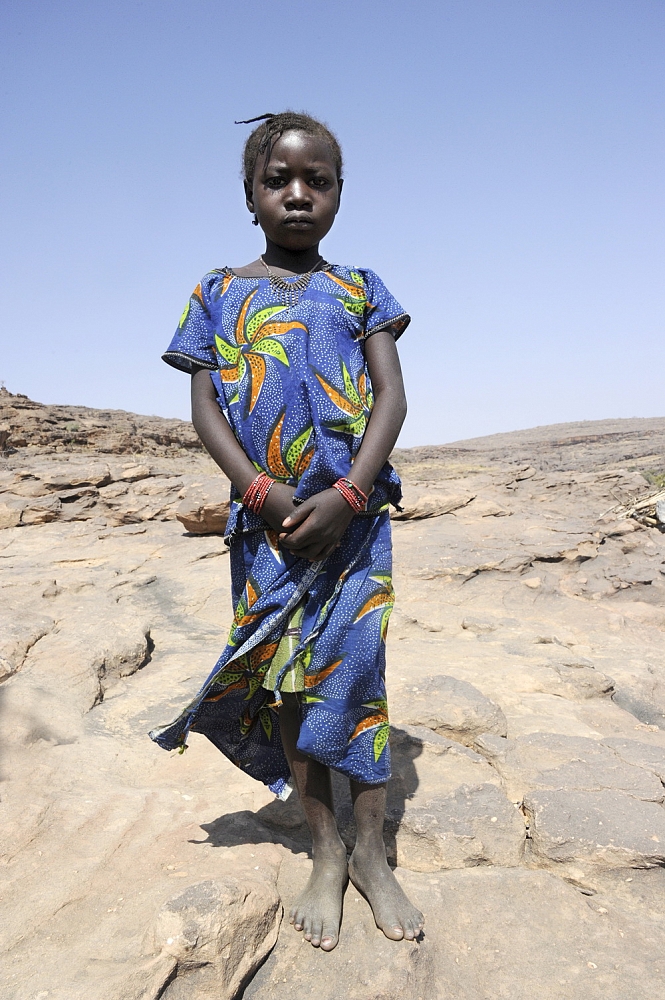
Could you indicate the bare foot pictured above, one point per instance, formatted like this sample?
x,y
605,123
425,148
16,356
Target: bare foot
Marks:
x,y
394,914
319,908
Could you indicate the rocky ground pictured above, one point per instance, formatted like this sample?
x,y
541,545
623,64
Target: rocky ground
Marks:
x,y
526,816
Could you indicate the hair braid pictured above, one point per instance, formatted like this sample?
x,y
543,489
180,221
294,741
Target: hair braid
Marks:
x,y
261,140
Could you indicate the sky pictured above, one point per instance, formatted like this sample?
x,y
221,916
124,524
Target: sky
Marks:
x,y
504,164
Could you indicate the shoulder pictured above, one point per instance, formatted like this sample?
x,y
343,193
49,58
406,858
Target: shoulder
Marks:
x,y
362,277
212,285
352,272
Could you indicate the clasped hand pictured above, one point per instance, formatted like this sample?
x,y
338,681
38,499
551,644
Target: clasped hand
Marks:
x,y
312,530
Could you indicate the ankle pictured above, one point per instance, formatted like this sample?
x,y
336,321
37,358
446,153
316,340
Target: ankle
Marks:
x,y
328,846
370,847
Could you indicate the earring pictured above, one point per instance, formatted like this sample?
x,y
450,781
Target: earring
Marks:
x,y
255,220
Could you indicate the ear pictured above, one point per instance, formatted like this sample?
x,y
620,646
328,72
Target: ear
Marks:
x,y
340,182
249,196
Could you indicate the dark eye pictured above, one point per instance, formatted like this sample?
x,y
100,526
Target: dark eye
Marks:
x,y
320,182
274,182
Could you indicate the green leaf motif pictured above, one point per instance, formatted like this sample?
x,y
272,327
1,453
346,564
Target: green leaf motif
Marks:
x,y
185,314
380,740
296,448
259,318
351,426
266,721
353,307
228,677
350,388
273,348
380,703
254,685
227,351
305,658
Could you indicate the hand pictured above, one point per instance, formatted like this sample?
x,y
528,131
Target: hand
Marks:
x,y
278,506
314,530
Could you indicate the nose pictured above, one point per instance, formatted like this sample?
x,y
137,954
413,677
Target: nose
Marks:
x,y
298,195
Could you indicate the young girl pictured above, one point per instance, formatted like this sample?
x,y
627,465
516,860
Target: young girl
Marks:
x,y
289,357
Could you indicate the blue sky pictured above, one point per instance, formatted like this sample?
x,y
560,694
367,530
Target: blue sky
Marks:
x,y
504,175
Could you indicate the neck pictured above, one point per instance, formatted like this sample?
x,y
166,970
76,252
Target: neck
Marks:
x,y
298,261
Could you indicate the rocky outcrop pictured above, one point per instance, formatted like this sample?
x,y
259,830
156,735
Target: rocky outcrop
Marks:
x,y
527,700
46,429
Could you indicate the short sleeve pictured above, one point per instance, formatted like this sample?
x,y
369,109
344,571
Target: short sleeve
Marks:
x,y
193,341
383,311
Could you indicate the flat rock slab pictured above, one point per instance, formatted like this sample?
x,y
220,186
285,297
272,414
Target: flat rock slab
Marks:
x,y
450,707
651,758
605,828
446,807
490,933
19,631
553,761
473,825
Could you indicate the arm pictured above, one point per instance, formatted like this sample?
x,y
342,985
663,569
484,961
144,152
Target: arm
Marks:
x,y
317,526
220,442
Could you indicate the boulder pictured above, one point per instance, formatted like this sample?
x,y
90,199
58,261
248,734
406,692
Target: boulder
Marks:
x,y
202,514
473,825
218,932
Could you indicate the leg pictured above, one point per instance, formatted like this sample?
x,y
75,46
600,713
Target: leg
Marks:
x,y
369,869
318,910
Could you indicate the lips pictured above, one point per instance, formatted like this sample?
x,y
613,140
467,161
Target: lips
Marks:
x,y
298,220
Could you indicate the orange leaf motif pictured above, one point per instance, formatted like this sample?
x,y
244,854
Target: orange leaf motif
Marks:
x,y
377,600
240,324
274,455
258,369
311,680
369,723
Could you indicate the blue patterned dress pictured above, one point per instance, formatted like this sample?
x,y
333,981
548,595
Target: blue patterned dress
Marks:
x,y
293,384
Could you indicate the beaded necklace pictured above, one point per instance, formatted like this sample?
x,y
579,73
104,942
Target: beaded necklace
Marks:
x,y
290,289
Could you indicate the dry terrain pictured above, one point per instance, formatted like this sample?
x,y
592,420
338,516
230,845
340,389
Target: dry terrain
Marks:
x,y
527,692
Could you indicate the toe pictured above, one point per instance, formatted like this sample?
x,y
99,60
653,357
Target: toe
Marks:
x,y
315,936
394,931
329,938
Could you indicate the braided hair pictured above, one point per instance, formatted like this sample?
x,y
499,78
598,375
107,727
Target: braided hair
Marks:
x,y
264,136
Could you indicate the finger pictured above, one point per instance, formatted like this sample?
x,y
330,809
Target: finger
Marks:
x,y
311,552
299,515
303,536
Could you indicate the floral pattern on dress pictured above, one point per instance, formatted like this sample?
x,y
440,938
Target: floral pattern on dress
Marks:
x,y
293,383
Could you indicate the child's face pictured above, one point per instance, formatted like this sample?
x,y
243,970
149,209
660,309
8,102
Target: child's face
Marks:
x,y
295,195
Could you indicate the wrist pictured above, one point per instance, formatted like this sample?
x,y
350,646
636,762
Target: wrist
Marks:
x,y
257,492
352,494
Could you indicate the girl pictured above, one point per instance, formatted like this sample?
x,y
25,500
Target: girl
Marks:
x,y
289,356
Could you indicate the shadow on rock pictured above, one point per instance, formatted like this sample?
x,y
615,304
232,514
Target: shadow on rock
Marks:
x,y
284,822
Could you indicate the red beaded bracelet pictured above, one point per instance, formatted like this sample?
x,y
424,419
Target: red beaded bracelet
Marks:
x,y
257,492
353,495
